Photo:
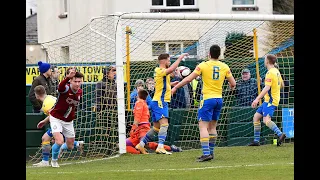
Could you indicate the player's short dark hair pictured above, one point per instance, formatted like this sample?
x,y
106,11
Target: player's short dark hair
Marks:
x,y
40,90
272,58
143,94
163,56
109,68
78,75
52,67
215,51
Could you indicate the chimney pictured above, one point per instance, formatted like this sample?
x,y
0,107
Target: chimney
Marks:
x,y
30,11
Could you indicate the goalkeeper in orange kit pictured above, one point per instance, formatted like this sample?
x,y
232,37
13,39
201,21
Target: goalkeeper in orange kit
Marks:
x,y
141,126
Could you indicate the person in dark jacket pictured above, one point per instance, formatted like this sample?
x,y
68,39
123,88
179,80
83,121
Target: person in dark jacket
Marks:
x,y
183,98
55,80
44,80
150,86
246,90
106,109
106,90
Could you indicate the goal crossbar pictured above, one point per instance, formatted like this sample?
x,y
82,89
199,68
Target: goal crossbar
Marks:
x,y
180,16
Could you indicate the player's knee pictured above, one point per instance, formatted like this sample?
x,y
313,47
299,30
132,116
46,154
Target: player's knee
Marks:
x,y
257,117
266,120
46,138
163,121
164,127
70,146
58,141
70,143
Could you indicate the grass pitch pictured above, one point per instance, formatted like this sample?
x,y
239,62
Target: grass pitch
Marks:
x,y
262,162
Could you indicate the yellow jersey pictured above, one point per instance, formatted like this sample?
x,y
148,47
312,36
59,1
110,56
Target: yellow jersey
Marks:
x,y
213,74
48,104
162,85
273,79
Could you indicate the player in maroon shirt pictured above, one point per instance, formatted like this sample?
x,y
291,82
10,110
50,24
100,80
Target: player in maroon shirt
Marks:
x,y
63,113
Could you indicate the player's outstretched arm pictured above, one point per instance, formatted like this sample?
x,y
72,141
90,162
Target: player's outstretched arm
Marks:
x,y
62,86
232,82
263,92
176,64
185,81
43,122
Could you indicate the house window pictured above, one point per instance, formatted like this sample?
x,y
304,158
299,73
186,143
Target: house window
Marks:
x,y
174,4
243,3
175,48
158,48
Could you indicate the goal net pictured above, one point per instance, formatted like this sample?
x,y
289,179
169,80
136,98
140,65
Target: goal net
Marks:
x,y
132,42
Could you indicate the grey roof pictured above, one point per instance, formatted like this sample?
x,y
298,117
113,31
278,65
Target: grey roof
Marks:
x,y
31,29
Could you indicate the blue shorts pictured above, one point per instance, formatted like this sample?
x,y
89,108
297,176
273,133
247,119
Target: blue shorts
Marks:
x,y
266,110
210,109
49,132
159,110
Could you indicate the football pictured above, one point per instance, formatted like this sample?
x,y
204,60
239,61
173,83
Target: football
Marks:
x,y
184,71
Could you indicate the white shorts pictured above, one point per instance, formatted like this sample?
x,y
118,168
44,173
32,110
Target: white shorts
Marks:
x,y
66,128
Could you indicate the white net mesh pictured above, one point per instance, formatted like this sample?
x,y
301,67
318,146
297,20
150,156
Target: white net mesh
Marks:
x,y
93,49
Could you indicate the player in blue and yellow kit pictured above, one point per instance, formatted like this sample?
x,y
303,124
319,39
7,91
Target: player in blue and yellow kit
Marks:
x,y
271,94
159,103
213,73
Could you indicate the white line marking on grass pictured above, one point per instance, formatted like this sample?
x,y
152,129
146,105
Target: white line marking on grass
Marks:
x,y
148,170
80,162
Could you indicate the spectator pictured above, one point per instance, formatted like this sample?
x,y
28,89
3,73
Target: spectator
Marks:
x,y
106,90
106,109
150,86
55,80
246,90
183,98
139,85
44,80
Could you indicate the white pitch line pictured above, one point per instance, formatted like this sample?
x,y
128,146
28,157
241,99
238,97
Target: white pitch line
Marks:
x,y
148,170
80,162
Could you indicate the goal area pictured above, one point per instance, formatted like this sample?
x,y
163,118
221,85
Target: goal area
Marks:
x,y
132,42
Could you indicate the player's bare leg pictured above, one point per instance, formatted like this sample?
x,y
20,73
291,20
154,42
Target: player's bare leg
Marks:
x,y
162,136
76,145
46,147
204,139
150,134
212,130
267,120
257,129
55,148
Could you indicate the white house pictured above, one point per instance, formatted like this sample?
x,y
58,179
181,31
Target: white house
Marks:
x,y
60,18
34,51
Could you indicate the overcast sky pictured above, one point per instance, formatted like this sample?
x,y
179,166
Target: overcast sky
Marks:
x,y
30,5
